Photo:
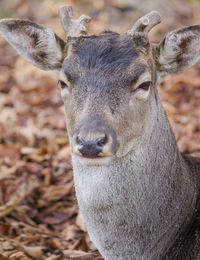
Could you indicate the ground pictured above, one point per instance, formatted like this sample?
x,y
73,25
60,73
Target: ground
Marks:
x,y
39,216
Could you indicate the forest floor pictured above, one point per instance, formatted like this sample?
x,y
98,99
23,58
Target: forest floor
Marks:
x,y
39,216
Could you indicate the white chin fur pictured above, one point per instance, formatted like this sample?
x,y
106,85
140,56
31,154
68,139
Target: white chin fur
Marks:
x,y
96,161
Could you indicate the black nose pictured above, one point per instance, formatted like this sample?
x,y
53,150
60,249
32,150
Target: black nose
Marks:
x,y
91,148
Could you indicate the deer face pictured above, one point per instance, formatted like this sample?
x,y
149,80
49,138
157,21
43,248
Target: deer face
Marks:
x,y
108,82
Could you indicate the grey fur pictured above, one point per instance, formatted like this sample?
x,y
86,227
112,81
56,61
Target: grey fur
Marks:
x,y
138,206
143,203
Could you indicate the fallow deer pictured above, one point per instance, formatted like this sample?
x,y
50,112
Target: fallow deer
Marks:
x,y
138,194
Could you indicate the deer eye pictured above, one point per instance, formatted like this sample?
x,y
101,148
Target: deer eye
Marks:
x,y
145,85
62,84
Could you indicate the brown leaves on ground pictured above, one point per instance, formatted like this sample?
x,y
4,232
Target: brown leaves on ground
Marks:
x,y
39,217
181,96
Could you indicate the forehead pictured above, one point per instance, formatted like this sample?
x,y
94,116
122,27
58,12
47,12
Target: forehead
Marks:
x,y
106,49
108,52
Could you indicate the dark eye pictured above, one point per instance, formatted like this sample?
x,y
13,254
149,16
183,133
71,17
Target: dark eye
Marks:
x,y
62,84
145,85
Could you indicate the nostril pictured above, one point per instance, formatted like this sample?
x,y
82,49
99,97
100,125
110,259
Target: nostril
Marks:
x,y
80,140
101,141
90,148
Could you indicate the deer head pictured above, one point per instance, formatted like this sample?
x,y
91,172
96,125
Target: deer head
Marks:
x,y
108,82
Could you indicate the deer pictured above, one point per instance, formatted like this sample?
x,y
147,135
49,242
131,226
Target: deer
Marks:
x,y
138,194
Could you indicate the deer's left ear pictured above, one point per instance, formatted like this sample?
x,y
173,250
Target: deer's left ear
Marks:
x,y
36,43
178,51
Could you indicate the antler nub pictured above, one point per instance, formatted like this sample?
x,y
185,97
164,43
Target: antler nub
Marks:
x,y
146,23
72,27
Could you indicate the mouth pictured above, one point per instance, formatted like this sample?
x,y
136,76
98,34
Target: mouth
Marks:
x,y
94,161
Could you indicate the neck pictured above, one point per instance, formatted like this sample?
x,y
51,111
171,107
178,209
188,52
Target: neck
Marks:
x,y
138,204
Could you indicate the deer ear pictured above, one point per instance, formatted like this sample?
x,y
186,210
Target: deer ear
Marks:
x,y
178,51
36,43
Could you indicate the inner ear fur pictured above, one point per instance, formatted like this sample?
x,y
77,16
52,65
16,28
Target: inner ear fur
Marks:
x,y
38,44
179,50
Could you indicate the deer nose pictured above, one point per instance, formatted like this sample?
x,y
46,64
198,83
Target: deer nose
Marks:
x,y
91,148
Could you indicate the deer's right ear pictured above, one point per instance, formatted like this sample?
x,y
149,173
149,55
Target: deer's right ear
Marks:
x,y
36,43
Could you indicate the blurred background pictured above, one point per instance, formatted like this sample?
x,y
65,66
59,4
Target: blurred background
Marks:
x,y
39,217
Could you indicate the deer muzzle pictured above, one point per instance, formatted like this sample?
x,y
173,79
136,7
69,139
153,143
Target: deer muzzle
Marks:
x,y
94,140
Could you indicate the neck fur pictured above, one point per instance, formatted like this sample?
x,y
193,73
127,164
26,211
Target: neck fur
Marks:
x,y
138,204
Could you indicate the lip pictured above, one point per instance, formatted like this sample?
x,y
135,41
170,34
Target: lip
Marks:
x,y
95,161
